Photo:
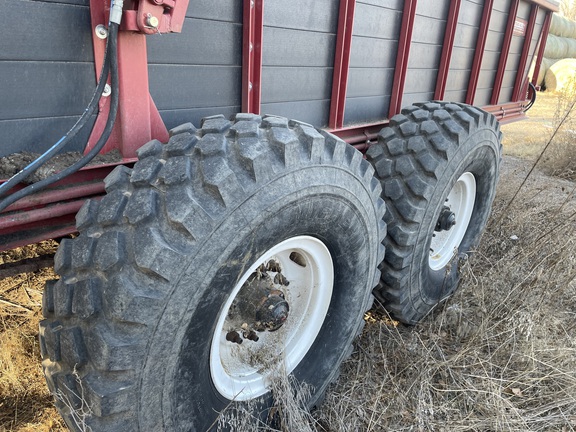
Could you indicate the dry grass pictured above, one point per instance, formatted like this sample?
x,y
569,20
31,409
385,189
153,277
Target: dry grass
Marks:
x,y
501,354
25,403
540,135
498,356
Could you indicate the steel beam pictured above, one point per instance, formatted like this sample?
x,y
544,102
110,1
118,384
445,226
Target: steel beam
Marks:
x,y
519,92
404,43
448,45
512,14
341,63
253,23
542,47
138,120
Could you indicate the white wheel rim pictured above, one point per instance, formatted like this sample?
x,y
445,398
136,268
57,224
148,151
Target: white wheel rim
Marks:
x,y
241,371
460,200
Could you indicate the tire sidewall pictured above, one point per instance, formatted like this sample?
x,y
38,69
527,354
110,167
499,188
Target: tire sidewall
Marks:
x,y
176,385
479,155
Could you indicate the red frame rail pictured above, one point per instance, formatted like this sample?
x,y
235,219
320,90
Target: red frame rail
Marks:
x,y
542,47
479,53
341,63
50,214
512,14
253,23
522,80
448,46
404,43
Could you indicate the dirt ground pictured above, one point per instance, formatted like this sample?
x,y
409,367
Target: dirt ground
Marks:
x,y
500,355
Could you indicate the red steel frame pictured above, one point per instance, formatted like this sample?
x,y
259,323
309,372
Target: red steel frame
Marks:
x,y
479,53
404,43
50,214
341,63
512,14
253,23
519,92
141,122
448,46
542,46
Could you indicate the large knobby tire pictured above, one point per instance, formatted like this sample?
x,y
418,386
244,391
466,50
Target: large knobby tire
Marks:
x,y
438,164
136,328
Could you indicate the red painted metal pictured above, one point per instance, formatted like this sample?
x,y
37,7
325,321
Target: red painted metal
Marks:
x,y
519,92
448,45
341,63
512,14
252,56
138,120
26,236
160,16
360,134
479,53
404,42
50,196
49,212
508,112
542,46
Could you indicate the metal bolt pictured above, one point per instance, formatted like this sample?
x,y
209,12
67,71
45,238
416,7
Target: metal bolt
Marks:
x,y
101,31
234,337
152,21
107,90
251,335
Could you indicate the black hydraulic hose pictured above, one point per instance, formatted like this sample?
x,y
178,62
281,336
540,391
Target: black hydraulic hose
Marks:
x,y
532,97
78,126
113,48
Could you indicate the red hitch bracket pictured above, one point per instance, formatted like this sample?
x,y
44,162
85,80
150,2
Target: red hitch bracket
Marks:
x,y
155,16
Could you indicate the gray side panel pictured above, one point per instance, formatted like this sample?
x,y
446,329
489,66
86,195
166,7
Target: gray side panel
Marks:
x,y
199,72
372,60
47,72
216,10
491,56
298,59
426,51
463,52
515,53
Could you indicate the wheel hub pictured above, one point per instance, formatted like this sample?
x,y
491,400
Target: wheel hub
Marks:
x,y
446,220
272,317
452,222
260,305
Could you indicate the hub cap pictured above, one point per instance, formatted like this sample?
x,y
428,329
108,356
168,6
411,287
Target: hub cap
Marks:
x,y
272,317
453,222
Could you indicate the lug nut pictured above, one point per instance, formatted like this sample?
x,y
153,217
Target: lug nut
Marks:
x,y
251,335
234,337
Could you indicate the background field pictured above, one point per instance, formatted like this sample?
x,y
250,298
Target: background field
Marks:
x,y
498,356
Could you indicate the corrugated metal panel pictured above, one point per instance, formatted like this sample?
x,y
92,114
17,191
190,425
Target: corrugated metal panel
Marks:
x,y
426,51
298,59
464,50
514,55
37,59
198,72
491,57
372,60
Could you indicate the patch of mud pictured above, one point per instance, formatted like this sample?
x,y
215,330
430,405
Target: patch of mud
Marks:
x,y
14,163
